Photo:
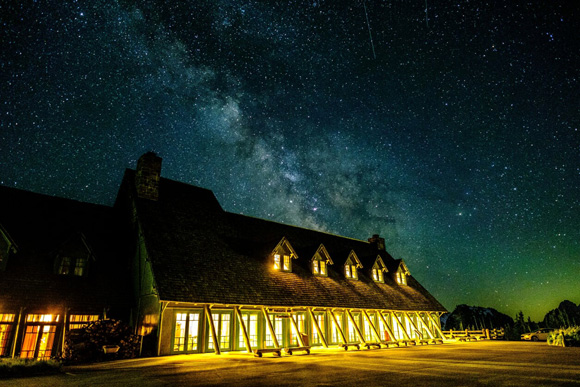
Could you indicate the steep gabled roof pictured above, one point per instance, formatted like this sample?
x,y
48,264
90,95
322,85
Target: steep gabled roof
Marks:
x,y
202,254
42,227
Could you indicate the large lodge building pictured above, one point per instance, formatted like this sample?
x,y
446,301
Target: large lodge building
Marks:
x,y
193,278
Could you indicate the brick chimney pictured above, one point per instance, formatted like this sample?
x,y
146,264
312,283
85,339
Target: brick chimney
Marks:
x,y
147,177
378,242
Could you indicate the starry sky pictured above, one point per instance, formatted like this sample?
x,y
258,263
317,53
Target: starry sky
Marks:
x,y
451,128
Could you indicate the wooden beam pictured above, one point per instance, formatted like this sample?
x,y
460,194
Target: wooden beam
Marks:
x,y
435,324
374,329
315,323
400,325
338,327
356,328
160,325
270,328
244,331
431,334
414,326
298,335
216,341
18,328
387,327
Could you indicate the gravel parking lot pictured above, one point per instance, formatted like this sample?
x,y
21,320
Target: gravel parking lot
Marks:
x,y
497,363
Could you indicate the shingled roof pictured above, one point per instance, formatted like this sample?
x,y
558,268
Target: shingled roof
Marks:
x,y
203,254
43,226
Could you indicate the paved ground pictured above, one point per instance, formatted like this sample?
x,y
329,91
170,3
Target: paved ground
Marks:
x,y
495,363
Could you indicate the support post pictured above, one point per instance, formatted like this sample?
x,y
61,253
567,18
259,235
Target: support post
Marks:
x,y
317,327
374,329
431,334
18,326
387,327
298,335
436,325
270,328
216,341
338,326
356,328
160,325
244,331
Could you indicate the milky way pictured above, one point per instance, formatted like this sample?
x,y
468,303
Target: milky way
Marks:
x,y
458,142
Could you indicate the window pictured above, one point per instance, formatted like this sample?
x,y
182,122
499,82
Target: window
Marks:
x,y
282,256
402,273
352,335
222,323
401,278
320,261
6,324
72,266
78,321
185,337
351,265
334,332
350,271
39,336
285,262
278,330
251,323
299,318
367,332
315,336
80,265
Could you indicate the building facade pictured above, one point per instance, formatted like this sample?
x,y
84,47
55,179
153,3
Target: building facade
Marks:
x,y
193,278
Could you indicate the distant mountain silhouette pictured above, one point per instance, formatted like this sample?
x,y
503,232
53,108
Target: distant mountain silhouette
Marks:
x,y
565,315
475,317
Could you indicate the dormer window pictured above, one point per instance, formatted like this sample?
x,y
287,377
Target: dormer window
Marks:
x,y
351,265
401,278
320,262
282,256
402,273
378,270
72,266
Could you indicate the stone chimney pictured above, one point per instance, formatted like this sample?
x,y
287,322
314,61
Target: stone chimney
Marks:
x,y
378,242
147,176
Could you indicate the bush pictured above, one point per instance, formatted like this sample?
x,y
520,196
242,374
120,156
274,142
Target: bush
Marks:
x,y
14,368
86,345
565,337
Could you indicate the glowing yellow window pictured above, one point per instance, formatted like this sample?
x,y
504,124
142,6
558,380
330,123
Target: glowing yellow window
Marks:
x,y
277,261
315,267
286,262
322,267
78,321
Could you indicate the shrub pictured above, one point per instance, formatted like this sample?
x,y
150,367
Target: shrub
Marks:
x,y
86,345
565,337
13,368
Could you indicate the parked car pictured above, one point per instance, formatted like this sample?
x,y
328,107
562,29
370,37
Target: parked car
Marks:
x,y
539,335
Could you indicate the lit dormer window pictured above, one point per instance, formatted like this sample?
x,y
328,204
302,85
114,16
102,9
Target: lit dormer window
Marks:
x,y
402,273
378,270
72,266
320,262
351,265
401,278
283,254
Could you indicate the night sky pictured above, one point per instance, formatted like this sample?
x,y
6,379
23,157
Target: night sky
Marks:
x,y
451,130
